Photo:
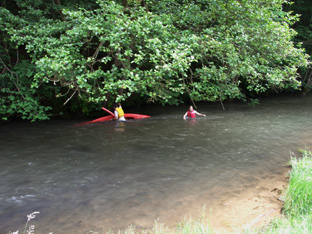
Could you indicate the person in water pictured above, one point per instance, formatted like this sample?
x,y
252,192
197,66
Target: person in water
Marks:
x,y
191,113
119,113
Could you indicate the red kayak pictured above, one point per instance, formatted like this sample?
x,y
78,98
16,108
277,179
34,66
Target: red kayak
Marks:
x,y
112,116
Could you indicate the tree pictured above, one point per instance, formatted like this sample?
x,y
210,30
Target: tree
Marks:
x,y
162,50
244,49
304,36
18,96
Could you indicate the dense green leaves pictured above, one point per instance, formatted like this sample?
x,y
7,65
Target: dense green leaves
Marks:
x,y
161,50
304,36
17,98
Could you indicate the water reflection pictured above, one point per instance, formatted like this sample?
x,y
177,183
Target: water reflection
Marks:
x,y
190,122
120,126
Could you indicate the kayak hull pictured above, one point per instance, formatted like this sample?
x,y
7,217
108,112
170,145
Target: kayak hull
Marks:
x,y
136,116
111,117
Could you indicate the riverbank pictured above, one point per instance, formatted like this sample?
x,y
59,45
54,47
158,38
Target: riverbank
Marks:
x,y
251,208
280,204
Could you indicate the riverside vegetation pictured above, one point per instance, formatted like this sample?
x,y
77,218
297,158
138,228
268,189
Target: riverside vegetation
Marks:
x,y
91,53
296,216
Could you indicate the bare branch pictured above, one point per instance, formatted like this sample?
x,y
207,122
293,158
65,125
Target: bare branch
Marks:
x,y
70,97
96,53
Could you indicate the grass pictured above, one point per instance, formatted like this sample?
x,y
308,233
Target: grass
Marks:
x,y
187,227
297,213
298,199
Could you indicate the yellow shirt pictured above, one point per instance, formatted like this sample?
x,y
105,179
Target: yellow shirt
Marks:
x,y
120,112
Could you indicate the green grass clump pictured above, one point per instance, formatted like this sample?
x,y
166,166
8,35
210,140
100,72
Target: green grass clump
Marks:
x,y
194,227
298,225
298,199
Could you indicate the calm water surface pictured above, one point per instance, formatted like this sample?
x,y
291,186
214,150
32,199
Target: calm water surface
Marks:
x,y
111,175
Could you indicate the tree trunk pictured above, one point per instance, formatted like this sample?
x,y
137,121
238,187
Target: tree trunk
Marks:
x,y
59,4
144,4
125,3
308,81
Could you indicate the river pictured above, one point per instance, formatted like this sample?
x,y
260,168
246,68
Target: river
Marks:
x,y
107,176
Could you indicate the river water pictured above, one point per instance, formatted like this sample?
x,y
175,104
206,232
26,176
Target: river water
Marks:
x,y
111,175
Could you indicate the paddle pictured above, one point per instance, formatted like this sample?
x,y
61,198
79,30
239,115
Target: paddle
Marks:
x,y
108,111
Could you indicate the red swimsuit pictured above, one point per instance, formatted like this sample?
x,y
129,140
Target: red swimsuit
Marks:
x,y
191,114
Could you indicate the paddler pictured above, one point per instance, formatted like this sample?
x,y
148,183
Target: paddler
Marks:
x,y
119,113
191,113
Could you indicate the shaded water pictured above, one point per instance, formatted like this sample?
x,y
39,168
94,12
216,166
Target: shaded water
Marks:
x,y
111,175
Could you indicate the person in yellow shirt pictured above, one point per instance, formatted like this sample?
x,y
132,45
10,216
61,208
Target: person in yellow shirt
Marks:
x,y
119,113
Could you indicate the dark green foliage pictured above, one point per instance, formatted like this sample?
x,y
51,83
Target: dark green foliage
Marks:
x,y
304,37
17,96
108,51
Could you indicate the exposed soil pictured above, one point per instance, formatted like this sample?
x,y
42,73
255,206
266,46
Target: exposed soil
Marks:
x,y
251,208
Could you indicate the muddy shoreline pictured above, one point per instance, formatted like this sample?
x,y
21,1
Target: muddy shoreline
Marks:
x,y
253,207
